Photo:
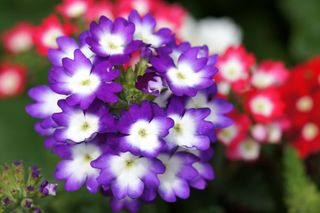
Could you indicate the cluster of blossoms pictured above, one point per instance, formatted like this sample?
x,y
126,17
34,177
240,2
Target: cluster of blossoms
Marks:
x,y
69,18
19,190
255,89
131,111
302,96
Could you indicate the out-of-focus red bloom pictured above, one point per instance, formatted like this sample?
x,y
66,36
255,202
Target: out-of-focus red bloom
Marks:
x,y
265,105
12,80
74,8
18,39
268,74
302,96
234,134
124,7
170,16
98,9
247,149
46,34
234,69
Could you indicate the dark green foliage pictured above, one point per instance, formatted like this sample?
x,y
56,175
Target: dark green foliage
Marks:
x,y
301,194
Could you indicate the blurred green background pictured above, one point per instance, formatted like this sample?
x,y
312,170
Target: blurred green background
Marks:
x,y
286,30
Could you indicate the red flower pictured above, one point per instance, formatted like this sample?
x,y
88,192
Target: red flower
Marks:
x,y
18,39
12,80
124,7
265,105
234,134
170,16
269,73
234,69
46,34
74,8
98,9
302,95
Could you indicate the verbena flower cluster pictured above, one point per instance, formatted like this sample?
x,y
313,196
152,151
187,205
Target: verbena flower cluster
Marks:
x,y
255,89
132,111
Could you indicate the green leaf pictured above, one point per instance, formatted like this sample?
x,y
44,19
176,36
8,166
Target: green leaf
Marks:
x,y
301,194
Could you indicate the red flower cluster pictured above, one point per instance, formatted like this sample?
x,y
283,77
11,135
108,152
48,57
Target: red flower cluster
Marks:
x,y
302,96
255,91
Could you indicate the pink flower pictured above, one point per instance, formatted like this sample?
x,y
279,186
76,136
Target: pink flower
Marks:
x,y
46,34
12,80
265,105
234,69
98,9
269,73
18,39
74,8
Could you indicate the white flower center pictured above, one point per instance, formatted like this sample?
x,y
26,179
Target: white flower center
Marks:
x,y
169,179
141,6
50,37
228,134
144,33
262,79
261,105
50,102
83,82
183,132
10,82
184,76
82,126
233,70
249,149
113,44
310,131
144,135
129,169
20,42
83,155
304,104
76,9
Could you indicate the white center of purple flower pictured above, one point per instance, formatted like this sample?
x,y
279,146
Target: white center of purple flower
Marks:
x,y
82,155
112,43
82,126
183,75
144,135
184,131
84,82
129,169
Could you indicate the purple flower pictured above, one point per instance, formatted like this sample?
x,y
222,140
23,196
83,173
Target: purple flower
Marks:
x,y
132,205
35,172
202,166
46,102
145,30
67,47
151,83
76,168
83,82
47,188
128,174
113,39
187,73
190,128
218,107
179,170
143,128
77,125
